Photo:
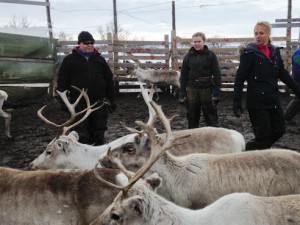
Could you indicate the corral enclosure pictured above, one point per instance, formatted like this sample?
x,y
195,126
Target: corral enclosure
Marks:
x,y
29,64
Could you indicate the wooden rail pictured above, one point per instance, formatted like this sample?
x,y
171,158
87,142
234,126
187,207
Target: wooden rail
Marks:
x,y
121,55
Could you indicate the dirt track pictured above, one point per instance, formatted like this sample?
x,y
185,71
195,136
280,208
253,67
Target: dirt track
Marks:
x,y
31,135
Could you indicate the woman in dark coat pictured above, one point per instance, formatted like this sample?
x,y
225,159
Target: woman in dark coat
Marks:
x,y
261,66
200,80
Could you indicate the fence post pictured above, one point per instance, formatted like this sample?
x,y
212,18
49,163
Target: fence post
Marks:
x,y
168,50
174,53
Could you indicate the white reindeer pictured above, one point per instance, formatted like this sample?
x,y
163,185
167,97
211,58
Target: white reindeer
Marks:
x,y
66,152
142,206
205,139
170,77
156,77
206,177
136,204
5,115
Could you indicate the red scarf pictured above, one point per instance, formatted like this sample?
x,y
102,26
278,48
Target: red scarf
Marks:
x,y
265,50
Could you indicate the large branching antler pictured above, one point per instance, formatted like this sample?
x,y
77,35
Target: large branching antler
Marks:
x,y
156,150
152,114
63,128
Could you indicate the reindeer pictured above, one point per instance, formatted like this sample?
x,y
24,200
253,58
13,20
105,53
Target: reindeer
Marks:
x,y
156,77
138,204
5,115
209,140
207,177
60,197
64,151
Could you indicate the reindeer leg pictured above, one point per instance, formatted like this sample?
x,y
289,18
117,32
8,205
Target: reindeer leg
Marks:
x,y
156,91
7,117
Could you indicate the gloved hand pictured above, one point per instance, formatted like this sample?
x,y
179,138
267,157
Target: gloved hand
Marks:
x,y
182,97
113,106
216,95
237,109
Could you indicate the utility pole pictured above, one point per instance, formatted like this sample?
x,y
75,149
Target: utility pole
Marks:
x,y
49,19
115,18
173,16
289,17
174,53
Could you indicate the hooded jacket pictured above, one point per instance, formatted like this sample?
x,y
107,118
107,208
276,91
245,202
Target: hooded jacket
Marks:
x,y
262,76
200,69
92,73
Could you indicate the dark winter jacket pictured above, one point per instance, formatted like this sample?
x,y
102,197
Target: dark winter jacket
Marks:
x,y
200,69
296,65
91,73
262,76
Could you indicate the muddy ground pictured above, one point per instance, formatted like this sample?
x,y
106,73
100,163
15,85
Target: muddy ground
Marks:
x,y
31,135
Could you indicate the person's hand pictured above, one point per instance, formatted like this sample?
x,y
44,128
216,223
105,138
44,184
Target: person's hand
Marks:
x,y
216,95
113,106
182,97
237,109
182,100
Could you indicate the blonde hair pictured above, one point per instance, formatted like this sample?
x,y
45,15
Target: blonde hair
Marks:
x,y
199,34
267,26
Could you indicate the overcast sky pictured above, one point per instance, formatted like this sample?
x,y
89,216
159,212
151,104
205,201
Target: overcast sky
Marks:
x,y
150,20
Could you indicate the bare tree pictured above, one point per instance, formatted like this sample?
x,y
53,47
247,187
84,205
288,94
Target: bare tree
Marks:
x,y
109,28
17,22
62,36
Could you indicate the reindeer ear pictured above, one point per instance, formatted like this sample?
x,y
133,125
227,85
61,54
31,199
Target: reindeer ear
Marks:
x,y
153,182
74,135
135,205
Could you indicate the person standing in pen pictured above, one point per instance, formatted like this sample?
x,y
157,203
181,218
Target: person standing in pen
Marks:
x,y
200,81
86,68
261,66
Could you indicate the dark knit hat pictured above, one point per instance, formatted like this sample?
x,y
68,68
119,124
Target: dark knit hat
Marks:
x,y
85,36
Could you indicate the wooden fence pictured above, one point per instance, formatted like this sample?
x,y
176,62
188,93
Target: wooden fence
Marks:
x,y
166,54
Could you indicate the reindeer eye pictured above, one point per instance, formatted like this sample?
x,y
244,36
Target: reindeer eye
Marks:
x,y
48,152
115,217
129,148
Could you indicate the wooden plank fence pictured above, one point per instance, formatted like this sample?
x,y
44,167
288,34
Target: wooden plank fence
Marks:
x,y
121,55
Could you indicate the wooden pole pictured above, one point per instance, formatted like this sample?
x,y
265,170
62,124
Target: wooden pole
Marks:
x,y
49,19
115,18
289,17
173,16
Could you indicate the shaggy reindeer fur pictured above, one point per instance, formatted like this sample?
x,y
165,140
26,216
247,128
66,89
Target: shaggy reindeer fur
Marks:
x,y
60,197
205,177
142,206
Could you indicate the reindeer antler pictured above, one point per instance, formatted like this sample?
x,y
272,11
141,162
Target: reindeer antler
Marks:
x,y
152,114
156,150
63,128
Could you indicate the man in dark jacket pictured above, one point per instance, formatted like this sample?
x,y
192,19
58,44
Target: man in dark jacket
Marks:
x,y
293,107
200,80
261,66
86,68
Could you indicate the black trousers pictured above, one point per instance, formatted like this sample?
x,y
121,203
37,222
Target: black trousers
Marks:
x,y
201,99
92,130
268,126
292,109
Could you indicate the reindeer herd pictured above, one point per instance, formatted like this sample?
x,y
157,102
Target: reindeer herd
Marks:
x,y
186,177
